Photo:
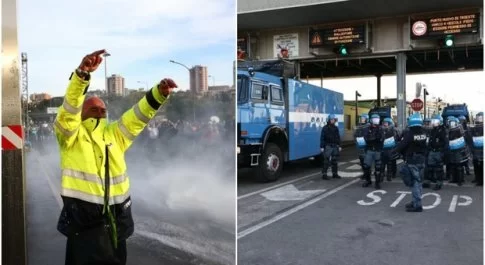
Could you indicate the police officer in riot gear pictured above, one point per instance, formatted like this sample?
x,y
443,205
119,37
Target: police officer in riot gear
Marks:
x,y
374,139
476,132
457,150
414,147
391,137
330,146
437,145
427,128
468,140
359,136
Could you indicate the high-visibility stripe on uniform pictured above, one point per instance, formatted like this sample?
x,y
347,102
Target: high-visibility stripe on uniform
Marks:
x,y
64,131
93,198
92,177
142,117
70,108
125,130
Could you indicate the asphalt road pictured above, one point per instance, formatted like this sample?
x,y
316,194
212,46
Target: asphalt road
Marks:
x,y
302,219
175,221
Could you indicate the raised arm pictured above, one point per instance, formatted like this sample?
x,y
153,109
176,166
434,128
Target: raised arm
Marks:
x,y
134,120
68,119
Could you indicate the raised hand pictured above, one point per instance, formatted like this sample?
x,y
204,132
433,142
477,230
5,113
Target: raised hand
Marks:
x,y
166,86
92,61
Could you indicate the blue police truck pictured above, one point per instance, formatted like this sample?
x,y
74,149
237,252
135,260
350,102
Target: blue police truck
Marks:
x,y
279,118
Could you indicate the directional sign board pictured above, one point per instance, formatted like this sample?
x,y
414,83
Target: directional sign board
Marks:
x,y
439,26
337,36
417,104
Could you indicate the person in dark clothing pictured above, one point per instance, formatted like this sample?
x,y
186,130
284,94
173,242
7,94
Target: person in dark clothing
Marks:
x,y
458,151
388,158
374,138
330,146
476,132
468,140
437,145
413,147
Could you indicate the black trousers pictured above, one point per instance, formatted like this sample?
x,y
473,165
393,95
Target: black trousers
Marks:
x,y
94,247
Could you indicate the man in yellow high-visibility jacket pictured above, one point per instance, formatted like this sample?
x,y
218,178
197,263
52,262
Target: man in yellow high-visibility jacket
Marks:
x,y
96,217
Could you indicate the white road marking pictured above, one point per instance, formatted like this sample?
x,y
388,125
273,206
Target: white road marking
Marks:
x,y
354,167
282,215
454,202
277,186
289,193
436,202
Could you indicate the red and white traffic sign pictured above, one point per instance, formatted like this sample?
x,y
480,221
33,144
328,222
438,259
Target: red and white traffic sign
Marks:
x,y
417,104
12,137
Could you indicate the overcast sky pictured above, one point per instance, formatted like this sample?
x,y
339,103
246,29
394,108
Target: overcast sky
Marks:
x,y
466,87
142,36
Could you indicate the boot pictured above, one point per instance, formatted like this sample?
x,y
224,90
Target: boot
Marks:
x,y
438,186
367,181
460,177
324,176
409,205
414,209
378,181
336,176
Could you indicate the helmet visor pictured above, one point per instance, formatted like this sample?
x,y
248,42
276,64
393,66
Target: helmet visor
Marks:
x,y
375,121
363,119
435,122
479,118
453,124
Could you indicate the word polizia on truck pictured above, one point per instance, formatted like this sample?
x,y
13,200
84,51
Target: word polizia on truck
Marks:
x,y
279,117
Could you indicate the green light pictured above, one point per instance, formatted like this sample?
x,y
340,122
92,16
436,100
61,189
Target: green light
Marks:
x,y
343,50
449,41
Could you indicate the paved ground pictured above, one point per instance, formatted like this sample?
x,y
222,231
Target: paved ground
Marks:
x,y
175,220
302,219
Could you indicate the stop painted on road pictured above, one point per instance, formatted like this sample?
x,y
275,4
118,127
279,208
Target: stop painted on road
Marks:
x,y
456,200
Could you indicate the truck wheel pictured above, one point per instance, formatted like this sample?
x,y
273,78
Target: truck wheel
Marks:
x,y
270,164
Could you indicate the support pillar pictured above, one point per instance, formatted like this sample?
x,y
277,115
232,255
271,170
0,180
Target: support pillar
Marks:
x,y
378,89
13,180
401,89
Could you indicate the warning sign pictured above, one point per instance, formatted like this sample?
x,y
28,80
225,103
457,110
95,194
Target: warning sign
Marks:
x,y
337,35
444,25
12,137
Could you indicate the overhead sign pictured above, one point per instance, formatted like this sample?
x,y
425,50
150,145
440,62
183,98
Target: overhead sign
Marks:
x,y
440,26
337,35
417,104
286,41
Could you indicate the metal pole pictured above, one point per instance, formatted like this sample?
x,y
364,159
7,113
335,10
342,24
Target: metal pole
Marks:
x,y
401,89
356,108
379,89
425,92
13,179
192,90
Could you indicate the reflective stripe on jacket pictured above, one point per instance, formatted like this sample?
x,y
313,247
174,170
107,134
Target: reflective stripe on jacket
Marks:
x,y
83,154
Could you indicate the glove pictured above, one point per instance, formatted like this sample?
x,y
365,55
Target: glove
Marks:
x,y
91,61
322,149
166,86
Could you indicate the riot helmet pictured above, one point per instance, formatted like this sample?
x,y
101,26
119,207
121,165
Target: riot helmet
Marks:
x,y
462,119
364,118
375,119
436,120
330,118
479,118
388,122
415,120
453,122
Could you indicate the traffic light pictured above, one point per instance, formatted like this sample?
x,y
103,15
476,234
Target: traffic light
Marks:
x,y
342,50
449,41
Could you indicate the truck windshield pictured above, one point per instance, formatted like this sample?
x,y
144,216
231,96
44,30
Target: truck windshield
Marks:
x,y
242,89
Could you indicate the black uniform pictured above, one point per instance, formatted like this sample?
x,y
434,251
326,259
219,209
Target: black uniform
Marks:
x,y
374,138
391,137
330,141
457,154
413,147
437,145
476,132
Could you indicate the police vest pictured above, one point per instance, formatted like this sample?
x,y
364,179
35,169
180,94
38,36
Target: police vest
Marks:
x,y
389,138
359,135
457,138
477,136
83,153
